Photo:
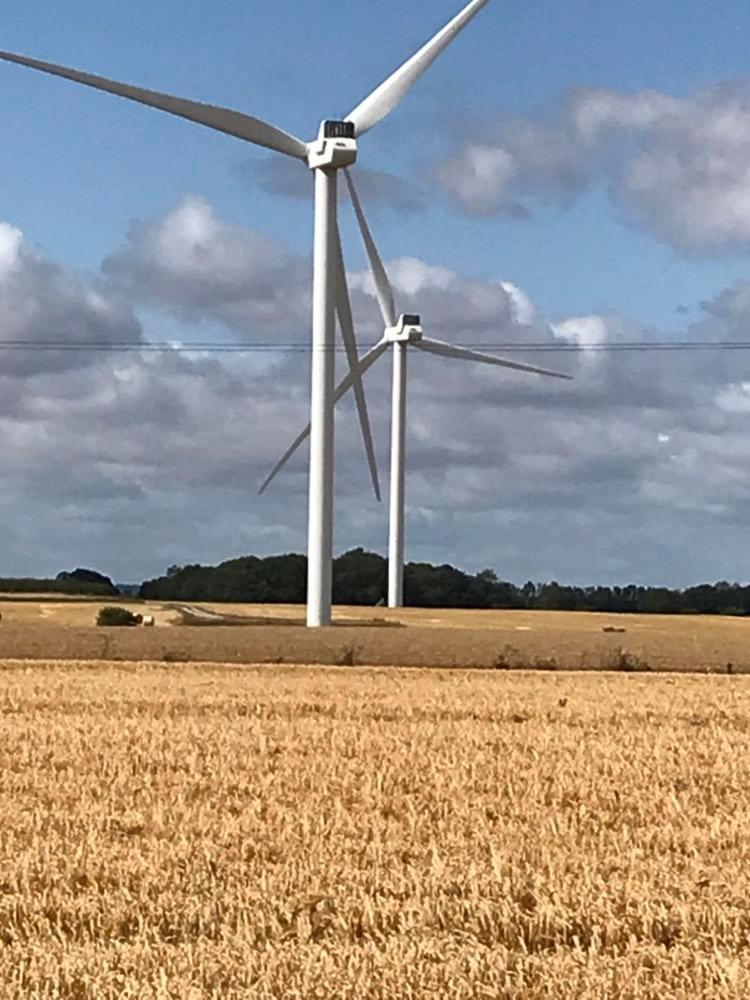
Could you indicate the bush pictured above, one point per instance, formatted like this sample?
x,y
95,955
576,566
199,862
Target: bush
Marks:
x,y
118,617
627,662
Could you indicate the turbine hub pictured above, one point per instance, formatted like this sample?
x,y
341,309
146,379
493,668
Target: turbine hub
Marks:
x,y
335,147
408,330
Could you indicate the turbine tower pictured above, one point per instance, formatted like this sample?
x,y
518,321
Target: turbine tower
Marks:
x,y
401,333
335,148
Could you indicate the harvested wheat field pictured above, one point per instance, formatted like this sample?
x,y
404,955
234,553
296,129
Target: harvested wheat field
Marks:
x,y
204,832
45,629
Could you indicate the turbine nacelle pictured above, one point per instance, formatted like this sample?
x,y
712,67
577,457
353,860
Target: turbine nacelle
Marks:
x,y
335,147
408,330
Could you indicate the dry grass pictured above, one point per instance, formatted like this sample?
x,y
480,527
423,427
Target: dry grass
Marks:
x,y
200,832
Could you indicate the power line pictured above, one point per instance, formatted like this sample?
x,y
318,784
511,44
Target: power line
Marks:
x,y
156,347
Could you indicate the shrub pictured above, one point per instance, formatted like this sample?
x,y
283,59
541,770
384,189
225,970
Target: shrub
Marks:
x,y
627,662
348,657
113,616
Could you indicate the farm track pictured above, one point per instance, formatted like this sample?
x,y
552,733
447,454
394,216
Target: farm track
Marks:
x,y
220,832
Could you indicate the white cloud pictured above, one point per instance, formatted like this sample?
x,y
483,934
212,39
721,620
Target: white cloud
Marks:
x,y
43,305
734,398
588,332
640,469
198,267
11,240
680,166
481,177
596,112
450,305
524,311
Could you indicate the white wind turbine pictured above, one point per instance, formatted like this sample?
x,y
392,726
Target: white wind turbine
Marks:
x,y
401,332
334,149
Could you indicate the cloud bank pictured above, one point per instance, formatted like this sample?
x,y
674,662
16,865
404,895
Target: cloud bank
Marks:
x,y
639,470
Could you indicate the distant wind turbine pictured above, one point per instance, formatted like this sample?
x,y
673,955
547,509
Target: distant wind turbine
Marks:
x,y
334,149
401,332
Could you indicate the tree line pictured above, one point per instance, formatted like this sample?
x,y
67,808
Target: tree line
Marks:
x,y
360,578
79,582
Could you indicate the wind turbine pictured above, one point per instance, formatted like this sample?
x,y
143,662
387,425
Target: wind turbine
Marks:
x,y
334,149
401,332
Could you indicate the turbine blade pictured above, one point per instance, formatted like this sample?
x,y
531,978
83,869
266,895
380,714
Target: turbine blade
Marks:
x,y
449,351
365,363
390,93
300,439
220,119
346,322
383,288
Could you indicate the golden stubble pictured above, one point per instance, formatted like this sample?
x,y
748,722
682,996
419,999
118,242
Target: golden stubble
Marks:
x,y
198,831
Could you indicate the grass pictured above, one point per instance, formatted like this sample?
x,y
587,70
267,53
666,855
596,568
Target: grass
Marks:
x,y
197,831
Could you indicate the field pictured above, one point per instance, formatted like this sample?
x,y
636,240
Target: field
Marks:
x,y
64,629
215,832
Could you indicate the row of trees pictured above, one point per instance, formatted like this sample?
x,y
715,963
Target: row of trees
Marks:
x,y
360,578
80,582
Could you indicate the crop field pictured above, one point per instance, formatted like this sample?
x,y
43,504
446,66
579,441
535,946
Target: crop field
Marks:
x,y
46,628
201,831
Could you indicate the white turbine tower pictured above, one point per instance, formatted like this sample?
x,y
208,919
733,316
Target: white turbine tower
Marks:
x,y
335,148
401,332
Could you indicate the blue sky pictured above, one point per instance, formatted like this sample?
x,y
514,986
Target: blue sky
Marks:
x,y
640,225
83,165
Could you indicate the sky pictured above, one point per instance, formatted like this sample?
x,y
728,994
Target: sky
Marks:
x,y
564,174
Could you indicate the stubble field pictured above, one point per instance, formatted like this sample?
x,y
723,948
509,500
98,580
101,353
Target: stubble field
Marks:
x,y
203,831
46,628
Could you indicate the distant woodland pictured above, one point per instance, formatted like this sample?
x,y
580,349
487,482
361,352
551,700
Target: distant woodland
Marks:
x,y
79,582
360,577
